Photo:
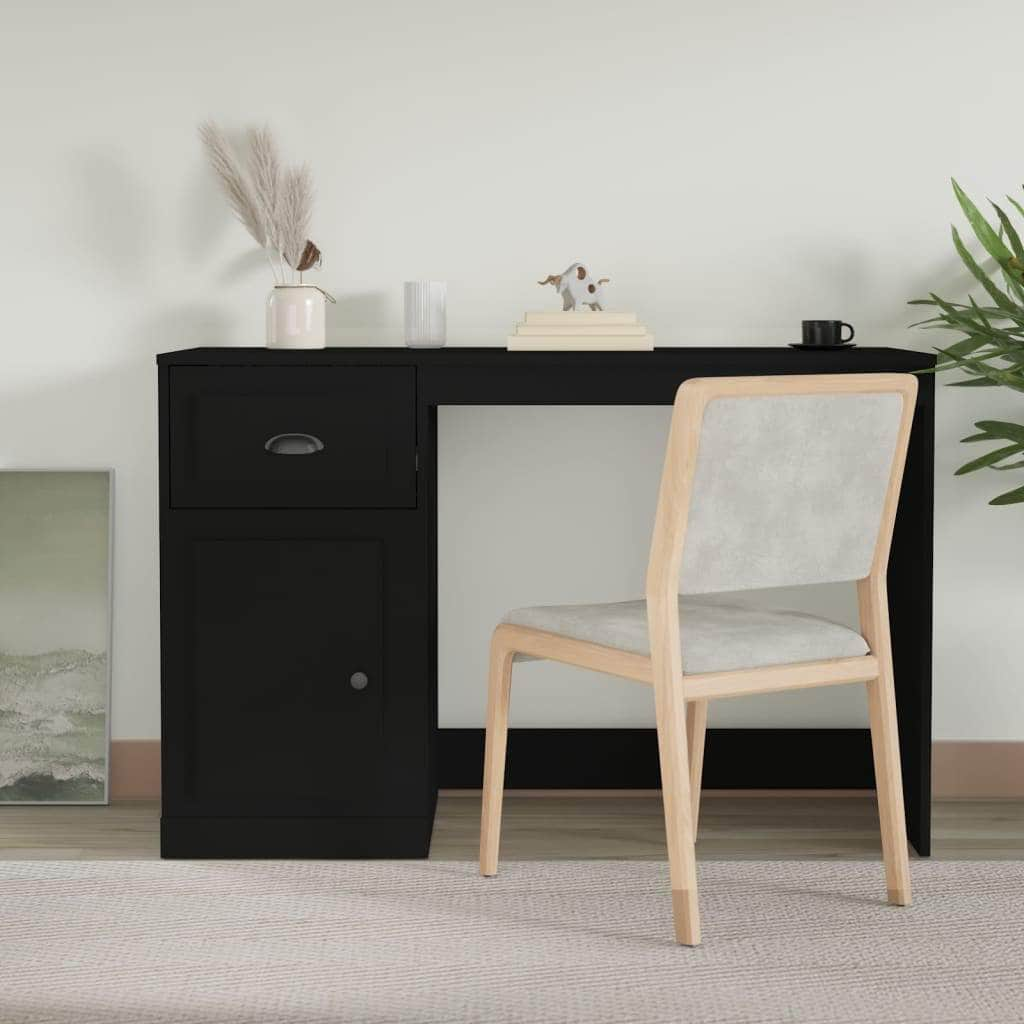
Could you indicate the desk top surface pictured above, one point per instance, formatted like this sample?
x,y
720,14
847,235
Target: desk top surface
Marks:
x,y
699,361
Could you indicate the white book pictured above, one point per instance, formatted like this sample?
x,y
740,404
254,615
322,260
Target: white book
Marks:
x,y
579,343
582,316
578,328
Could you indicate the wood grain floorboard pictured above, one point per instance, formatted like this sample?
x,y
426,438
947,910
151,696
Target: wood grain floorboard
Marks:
x,y
574,827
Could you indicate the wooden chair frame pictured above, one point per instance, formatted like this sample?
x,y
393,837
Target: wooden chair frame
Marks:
x,y
681,702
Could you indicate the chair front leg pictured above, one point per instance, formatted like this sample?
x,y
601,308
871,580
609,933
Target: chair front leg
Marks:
x,y
499,685
885,739
885,747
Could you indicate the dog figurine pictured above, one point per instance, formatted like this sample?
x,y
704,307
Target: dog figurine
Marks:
x,y
578,288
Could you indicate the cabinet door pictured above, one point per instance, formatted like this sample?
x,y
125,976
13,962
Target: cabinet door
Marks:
x,y
279,699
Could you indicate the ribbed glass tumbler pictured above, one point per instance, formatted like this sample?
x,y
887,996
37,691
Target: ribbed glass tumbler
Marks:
x,y
426,321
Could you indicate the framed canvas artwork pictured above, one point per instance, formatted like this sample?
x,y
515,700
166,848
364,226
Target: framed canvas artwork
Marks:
x,y
55,627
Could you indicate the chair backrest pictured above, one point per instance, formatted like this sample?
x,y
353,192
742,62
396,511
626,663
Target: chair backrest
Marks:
x,y
780,481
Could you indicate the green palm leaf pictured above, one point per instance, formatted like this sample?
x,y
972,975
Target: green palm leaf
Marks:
x,y
980,314
989,458
1000,428
985,232
1014,497
999,297
967,320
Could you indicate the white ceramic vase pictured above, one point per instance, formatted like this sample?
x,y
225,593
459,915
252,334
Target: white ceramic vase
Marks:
x,y
296,316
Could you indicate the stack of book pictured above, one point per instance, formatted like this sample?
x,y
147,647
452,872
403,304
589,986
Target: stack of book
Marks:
x,y
580,331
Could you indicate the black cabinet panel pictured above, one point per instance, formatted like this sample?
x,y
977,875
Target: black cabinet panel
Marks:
x,y
294,665
292,437
280,630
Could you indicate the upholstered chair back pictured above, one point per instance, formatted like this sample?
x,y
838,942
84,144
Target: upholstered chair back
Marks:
x,y
785,481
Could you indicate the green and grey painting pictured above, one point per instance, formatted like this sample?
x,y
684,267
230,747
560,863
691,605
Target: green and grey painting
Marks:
x,y
54,632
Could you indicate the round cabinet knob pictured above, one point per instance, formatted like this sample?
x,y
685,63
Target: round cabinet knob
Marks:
x,y
359,680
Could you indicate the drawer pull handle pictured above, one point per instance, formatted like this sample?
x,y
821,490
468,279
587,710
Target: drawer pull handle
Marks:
x,y
294,444
359,680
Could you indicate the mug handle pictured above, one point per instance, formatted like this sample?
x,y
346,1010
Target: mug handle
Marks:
x,y
841,338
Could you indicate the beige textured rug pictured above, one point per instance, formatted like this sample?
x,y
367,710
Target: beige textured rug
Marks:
x,y
141,942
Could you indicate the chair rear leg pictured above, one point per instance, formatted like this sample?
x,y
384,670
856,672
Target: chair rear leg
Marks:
x,y
696,729
885,747
498,689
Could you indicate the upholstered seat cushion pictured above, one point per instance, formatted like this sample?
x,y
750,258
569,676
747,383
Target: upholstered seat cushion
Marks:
x,y
715,637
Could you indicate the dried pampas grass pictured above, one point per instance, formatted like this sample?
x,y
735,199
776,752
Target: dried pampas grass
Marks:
x,y
265,167
233,181
274,206
296,211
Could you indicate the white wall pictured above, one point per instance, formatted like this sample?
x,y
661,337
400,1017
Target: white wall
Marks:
x,y
734,167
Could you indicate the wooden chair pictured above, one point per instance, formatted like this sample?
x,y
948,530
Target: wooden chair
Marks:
x,y
768,481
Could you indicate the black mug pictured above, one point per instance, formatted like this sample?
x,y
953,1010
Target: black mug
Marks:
x,y
823,333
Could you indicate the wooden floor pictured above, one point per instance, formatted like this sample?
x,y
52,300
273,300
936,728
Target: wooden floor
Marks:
x,y
577,827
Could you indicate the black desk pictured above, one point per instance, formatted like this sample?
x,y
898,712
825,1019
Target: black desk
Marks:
x,y
299,611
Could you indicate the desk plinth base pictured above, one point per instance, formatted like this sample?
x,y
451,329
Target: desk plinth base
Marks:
x,y
295,838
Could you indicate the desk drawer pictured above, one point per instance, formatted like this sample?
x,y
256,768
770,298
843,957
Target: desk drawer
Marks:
x,y
292,437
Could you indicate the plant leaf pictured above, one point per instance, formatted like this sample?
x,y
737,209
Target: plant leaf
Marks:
x,y
978,367
1010,465
966,345
1020,209
999,297
1000,428
1016,314
963,316
965,321
985,232
1013,497
978,312
982,358
1013,284
989,457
